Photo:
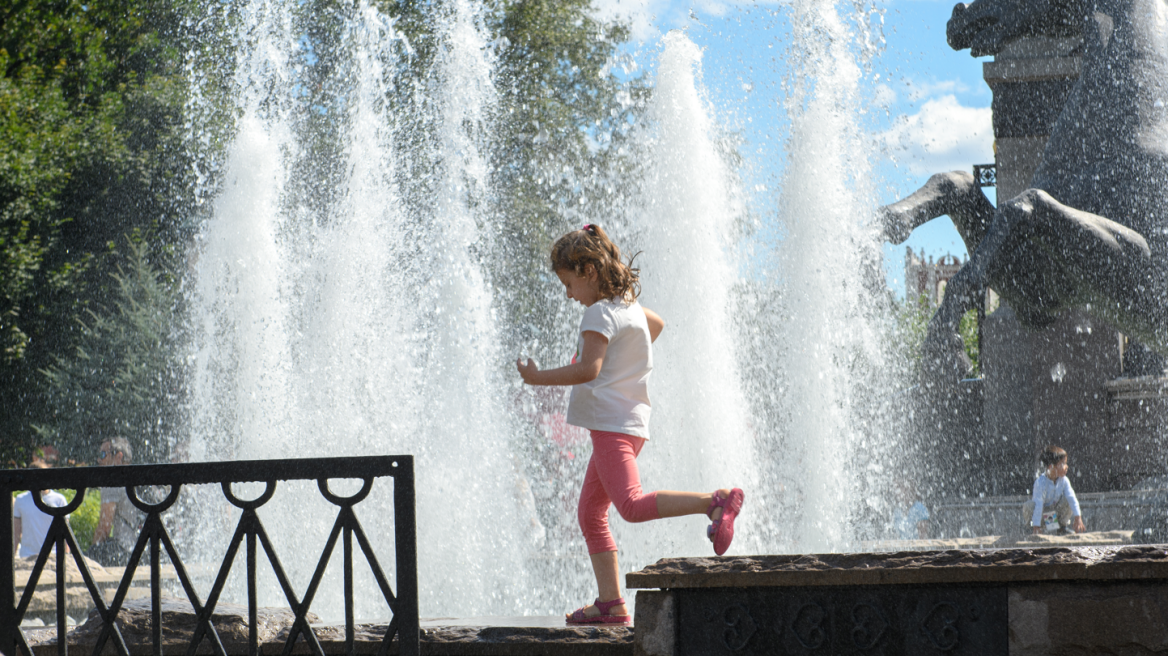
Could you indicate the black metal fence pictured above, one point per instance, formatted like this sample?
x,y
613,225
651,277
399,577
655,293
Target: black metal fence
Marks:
x,y
249,533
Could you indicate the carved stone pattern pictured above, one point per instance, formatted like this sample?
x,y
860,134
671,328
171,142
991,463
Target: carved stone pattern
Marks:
x,y
868,626
940,626
900,620
808,626
739,627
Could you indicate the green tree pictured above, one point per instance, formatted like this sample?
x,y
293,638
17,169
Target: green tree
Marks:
x,y
91,99
123,379
561,155
912,324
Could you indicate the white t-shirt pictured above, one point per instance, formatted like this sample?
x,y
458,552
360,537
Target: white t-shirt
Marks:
x,y
618,399
34,524
1046,495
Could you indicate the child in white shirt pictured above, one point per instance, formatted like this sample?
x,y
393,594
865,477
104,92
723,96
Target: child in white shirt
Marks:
x,y
1053,499
610,397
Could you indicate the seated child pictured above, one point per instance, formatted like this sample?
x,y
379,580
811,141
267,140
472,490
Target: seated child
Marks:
x,y
1053,501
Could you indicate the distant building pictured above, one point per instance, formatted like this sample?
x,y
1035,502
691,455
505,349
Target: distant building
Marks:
x,y
928,278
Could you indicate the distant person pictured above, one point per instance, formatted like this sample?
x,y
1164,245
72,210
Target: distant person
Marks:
x,y
120,522
610,397
910,519
1053,504
30,524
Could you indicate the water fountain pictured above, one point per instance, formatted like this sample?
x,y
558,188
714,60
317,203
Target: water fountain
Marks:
x,y
344,303
341,307
340,332
359,321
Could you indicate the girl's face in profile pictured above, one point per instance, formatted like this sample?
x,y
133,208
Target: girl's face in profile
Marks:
x,y
585,289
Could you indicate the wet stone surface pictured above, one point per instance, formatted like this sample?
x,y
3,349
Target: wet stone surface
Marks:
x,y
908,568
503,636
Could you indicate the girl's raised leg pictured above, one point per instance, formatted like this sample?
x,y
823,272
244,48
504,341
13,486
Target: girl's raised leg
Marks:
x,y
677,504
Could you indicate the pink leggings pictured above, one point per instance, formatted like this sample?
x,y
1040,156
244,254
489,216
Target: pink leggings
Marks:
x,y
612,477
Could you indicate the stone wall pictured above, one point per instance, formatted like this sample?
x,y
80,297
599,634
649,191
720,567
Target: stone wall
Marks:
x,y
1085,600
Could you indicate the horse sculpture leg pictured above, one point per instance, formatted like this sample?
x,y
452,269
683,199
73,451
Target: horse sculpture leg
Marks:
x,y
954,193
1091,257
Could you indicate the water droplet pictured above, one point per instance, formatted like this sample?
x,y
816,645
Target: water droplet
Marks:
x,y
1058,372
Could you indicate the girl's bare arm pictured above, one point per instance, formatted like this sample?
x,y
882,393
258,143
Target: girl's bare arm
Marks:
x,y
656,323
584,370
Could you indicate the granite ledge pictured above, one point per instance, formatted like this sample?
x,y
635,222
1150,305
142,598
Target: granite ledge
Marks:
x,y
1095,563
437,639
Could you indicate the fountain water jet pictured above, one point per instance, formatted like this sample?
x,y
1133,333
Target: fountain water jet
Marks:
x,y
702,439
829,261
367,327
317,340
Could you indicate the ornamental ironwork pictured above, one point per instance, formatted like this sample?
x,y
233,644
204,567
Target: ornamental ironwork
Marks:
x,y
250,535
986,175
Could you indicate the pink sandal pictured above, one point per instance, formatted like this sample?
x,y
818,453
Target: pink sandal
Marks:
x,y
721,532
605,617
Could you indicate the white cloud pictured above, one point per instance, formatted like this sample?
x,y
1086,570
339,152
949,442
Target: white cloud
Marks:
x,y
916,90
942,136
883,96
713,8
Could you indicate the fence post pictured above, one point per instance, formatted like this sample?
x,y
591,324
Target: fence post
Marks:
x,y
406,530
7,577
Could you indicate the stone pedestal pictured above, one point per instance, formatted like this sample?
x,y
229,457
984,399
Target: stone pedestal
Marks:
x,y
1085,600
1048,387
1031,79
947,423
1138,446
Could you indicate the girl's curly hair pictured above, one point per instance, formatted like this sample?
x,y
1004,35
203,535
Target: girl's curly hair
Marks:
x,y
591,245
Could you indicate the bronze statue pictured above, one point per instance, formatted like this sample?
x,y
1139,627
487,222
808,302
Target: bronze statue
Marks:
x,y
1092,229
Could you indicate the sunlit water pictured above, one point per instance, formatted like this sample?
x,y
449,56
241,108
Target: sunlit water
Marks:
x,y
829,262
335,316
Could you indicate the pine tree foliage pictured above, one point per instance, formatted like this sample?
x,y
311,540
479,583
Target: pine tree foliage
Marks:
x,y
124,378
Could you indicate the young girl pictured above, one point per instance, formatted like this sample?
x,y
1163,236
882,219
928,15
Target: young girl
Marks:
x,y
609,378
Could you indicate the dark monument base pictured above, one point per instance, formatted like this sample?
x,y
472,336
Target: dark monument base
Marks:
x,y
1074,600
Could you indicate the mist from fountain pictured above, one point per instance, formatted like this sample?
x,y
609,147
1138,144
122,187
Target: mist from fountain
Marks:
x,y
359,321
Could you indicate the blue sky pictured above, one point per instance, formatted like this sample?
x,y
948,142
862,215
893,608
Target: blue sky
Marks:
x,y
937,119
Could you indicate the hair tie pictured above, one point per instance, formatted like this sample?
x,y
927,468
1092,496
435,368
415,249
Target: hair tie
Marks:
x,y
587,226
